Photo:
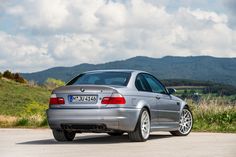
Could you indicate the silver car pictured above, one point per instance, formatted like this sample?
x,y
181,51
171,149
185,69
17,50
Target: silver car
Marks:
x,y
117,102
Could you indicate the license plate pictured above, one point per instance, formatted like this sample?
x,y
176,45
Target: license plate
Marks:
x,y
82,98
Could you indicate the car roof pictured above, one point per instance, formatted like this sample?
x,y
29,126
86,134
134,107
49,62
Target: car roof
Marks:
x,y
116,70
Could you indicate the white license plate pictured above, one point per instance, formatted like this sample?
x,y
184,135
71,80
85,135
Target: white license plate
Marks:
x,y
83,98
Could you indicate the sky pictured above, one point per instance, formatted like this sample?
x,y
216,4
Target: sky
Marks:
x,y
40,34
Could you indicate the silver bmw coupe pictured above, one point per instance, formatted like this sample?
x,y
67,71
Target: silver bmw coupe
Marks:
x,y
117,102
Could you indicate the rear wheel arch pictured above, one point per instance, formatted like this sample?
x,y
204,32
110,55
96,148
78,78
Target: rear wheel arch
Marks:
x,y
143,104
146,107
140,112
138,134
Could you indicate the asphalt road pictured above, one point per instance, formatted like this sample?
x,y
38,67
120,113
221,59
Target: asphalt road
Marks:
x,y
40,143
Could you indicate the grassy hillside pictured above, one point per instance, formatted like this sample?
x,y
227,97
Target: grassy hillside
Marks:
x,y
19,102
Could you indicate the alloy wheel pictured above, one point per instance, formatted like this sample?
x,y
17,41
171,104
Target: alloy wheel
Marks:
x,y
186,122
145,125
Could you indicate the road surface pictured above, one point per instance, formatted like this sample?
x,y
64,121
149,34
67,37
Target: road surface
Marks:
x,y
40,143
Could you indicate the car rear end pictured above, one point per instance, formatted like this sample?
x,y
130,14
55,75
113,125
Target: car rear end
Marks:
x,y
93,106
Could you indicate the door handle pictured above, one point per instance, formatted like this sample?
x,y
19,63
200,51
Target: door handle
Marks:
x,y
158,97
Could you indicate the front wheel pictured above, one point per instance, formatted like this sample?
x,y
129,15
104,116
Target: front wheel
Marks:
x,y
62,135
185,123
142,129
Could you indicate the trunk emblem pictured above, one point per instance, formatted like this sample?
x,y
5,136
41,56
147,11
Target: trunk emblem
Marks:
x,y
82,89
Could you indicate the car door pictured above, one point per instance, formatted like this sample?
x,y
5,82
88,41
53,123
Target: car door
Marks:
x,y
145,94
167,109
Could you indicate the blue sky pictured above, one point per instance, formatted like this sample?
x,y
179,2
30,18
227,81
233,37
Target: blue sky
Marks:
x,y
39,34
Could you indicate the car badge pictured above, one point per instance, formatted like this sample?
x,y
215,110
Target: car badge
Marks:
x,y
82,89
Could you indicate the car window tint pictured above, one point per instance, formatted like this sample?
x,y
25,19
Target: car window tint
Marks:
x,y
155,85
141,83
102,78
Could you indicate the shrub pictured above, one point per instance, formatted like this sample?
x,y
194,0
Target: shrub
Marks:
x,y
18,78
33,109
22,122
52,83
8,74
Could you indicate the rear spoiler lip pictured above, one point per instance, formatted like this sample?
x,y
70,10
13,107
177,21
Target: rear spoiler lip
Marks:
x,y
76,88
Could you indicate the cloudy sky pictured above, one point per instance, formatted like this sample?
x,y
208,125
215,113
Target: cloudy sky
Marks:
x,y
39,34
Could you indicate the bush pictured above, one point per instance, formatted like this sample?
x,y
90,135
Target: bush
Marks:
x,y
18,78
220,89
33,109
8,74
52,83
22,122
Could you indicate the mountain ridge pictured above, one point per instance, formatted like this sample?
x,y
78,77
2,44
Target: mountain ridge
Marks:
x,y
202,68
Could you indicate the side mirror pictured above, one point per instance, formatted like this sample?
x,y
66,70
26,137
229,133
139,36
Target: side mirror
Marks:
x,y
171,90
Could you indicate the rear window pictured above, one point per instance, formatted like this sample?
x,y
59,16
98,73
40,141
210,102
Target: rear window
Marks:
x,y
102,78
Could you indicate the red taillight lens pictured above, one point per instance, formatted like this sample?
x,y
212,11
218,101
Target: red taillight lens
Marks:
x,y
116,99
56,101
53,101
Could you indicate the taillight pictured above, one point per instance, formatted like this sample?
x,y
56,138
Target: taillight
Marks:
x,y
54,100
116,99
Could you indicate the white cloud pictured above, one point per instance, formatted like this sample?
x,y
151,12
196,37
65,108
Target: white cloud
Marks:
x,y
66,33
19,54
75,48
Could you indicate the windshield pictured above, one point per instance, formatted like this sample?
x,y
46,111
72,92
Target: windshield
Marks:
x,y
102,78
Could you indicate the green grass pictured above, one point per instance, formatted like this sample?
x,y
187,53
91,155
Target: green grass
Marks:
x,y
15,97
214,116
22,105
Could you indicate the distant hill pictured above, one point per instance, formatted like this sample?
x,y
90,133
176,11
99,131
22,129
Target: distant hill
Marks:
x,y
202,68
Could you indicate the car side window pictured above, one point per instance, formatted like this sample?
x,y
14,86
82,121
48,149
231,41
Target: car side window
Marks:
x,y
155,85
141,84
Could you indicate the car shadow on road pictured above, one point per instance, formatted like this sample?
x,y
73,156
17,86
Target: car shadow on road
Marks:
x,y
92,139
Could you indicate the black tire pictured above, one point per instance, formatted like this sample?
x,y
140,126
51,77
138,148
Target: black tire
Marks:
x,y
136,135
178,132
115,133
62,135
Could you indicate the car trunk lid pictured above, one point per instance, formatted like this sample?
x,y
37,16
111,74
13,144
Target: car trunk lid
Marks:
x,y
83,96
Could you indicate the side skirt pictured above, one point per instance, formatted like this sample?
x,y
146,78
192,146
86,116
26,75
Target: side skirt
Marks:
x,y
170,126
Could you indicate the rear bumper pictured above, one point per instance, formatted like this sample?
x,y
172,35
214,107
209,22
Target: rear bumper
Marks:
x,y
123,119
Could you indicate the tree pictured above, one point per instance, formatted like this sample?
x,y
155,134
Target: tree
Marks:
x,y
185,94
18,78
0,75
8,74
52,83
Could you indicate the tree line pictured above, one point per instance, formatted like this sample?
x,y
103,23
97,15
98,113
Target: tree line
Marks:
x,y
13,76
208,87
